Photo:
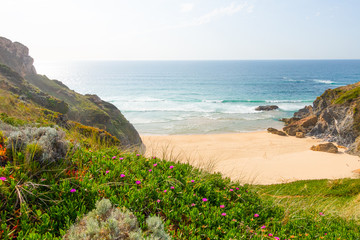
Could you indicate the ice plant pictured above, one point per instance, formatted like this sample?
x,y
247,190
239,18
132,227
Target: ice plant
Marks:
x,y
321,213
192,180
155,164
262,227
150,170
172,187
256,215
270,235
121,158
138,155
165,190
237,188
122,175
72,190
223,214
138,182
158,200
231,190
222,206
193,204
2,178
107,171
204,199
171,167
113,157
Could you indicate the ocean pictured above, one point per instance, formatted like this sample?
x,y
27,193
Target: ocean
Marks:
x,y
203,97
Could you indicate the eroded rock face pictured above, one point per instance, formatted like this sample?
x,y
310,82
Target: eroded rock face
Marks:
x,y
16,56
266,108
325,147
334,117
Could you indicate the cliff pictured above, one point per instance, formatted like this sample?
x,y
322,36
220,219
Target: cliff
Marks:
x,y
19,77
334,116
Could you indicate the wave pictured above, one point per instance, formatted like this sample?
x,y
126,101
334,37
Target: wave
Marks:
x,y
324,81
288,101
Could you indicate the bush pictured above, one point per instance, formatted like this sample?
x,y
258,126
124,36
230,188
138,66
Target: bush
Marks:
x,y
107,222
43,144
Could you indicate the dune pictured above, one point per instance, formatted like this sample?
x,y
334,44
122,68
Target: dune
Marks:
x,y
255,157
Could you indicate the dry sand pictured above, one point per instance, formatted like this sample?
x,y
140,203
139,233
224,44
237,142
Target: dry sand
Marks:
x,y
256,157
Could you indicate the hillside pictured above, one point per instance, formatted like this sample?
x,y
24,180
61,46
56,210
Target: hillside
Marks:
x,y
20,77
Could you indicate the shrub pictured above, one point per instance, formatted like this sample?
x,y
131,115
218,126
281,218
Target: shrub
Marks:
x,y
107,222
45,144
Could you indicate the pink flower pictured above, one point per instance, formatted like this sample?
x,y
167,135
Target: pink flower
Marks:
x,y
276,238
150,170
138,182
204,199
172,187
155,164
121,158
321,214
193,204
237,188
138,155
122,175
262,227
165,190
2,178
231,190
270,235
72,190
224,214
171,167
107,171
113,157
256,215
192,180
158,200
154,157
194,194
222,206
43,179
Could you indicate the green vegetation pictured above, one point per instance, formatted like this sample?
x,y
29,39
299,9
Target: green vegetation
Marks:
x,y
45,201
348,96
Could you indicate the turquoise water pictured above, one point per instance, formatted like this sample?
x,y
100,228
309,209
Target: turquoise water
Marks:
x,y
194,97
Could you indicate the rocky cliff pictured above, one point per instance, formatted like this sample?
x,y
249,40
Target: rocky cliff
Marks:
x,y
334,116
19,76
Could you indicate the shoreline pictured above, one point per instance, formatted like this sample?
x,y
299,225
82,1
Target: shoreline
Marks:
x,y
253,157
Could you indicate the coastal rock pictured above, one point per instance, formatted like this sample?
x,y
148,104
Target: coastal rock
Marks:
x,y
275,131
266,108
304,112
325,147
16,56
300,135
303,125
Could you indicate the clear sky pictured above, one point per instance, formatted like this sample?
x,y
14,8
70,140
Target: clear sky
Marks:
x,y
183,30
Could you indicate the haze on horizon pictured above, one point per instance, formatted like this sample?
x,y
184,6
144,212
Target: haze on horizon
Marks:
x,y
183,30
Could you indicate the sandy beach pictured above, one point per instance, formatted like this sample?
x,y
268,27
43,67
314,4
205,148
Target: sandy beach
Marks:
x,y
255,157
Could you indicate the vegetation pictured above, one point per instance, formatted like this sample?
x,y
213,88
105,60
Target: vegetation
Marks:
x,y
44,201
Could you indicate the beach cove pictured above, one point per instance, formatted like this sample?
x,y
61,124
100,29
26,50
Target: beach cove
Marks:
x,y
254,157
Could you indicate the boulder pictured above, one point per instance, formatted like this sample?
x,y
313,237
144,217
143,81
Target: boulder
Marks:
x,y
303,125
325,147
266,108
275,131
300,135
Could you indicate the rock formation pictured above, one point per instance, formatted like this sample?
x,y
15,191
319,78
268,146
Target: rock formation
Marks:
x,y
325,147
266,108
275,131
16,56
334,117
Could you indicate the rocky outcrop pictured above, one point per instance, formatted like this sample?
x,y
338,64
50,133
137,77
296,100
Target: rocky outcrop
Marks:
x,y
325,147
16,56
300,135
266,108
334,117
275,131
19,77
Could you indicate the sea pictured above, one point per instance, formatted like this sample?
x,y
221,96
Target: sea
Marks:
x,y
204,97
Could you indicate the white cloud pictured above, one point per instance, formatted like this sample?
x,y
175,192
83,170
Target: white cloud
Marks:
x,y
223,11
187,7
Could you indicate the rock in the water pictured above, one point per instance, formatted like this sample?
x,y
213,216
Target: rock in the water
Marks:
x,y
275,131
325,147
300,135
266,108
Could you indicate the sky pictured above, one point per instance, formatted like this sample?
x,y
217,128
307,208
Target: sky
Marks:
x,y
57,30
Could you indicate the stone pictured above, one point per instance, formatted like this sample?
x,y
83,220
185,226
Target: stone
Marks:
x,y
266,108
303,125
275,131
300,135
325,147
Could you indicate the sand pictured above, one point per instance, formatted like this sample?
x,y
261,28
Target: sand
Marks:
x,y
254,158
